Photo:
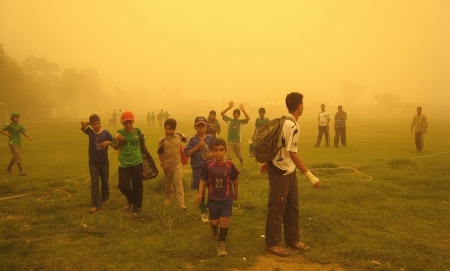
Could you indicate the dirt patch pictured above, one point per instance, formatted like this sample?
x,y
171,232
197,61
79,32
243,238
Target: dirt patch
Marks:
x,y
293,262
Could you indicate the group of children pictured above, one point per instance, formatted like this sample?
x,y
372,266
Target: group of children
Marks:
x,y
210,160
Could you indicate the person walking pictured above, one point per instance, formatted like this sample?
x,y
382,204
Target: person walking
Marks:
x,y
419,125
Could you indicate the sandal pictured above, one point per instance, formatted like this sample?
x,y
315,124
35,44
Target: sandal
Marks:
x,y
93,210
277,250
299,246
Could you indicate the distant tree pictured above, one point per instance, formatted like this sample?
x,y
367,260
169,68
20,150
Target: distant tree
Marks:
x,y
388,100
12,81
69,89
42,77
351,91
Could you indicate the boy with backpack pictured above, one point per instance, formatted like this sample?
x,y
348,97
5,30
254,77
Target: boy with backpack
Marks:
x,y
283,205
170,158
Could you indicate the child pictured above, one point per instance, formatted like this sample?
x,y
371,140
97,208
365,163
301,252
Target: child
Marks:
x,y
128,141
99,141
169,155
212,124
260,121
197,147
221,178
13,131
234,131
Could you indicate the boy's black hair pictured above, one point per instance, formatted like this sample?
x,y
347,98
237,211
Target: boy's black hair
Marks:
x,y
262,109
172,123
293,99
219,141
93,118
213,112
236,111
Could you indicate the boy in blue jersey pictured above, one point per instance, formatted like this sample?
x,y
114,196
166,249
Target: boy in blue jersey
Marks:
x,y
128,140
198,148
221,177
99,141
13,131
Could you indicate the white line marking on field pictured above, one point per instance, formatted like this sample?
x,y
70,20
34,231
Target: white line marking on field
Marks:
x,y
13,197
430,155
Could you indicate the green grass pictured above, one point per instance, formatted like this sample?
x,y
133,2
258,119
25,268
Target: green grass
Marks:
x,y
380,201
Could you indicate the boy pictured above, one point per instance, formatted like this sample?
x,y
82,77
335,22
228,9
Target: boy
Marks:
x,y
99,141
234,130
323,122
197,147
169,156
260,121
212,124
221,178
128,140
13,131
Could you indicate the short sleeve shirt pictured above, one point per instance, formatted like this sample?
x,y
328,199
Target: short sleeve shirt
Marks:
x,y
170,148
219,179
289,134
260,122
95,139
14,130
324,118
197,159
234,128
130,153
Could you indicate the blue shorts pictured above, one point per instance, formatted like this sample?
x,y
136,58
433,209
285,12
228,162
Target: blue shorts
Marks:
x,y
219,209
196,178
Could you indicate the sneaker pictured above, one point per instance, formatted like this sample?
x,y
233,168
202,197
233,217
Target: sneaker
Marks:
x,y
204,217
221,249
183,207
166,201
106,201
136,212
23,173
215,234
9,170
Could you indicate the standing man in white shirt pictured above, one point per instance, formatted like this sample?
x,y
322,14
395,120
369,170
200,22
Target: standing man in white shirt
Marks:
x,y
323,121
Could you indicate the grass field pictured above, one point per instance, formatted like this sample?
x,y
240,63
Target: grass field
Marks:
x,y
382,206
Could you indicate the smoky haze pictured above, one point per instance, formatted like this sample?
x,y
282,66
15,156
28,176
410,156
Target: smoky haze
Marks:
x,y
193,56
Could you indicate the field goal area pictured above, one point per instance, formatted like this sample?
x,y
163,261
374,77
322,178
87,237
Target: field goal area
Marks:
x,y
4,117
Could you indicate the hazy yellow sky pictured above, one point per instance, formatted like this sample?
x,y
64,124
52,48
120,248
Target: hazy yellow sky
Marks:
x,y
242,49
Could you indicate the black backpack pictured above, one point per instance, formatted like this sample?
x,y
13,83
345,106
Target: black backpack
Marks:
x,y
266,140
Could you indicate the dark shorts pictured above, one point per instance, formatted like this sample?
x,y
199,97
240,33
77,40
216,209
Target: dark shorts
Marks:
x,y
219,209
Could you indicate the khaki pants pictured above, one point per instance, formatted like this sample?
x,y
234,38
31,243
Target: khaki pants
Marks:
x,y
15,149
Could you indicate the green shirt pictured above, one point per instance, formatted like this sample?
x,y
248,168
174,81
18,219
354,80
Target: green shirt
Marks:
x,y
234,129
14,130
130,152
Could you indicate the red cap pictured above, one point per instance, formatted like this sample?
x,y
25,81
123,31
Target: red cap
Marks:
x,y
127,115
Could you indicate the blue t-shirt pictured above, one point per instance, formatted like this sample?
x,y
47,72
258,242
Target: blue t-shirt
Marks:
x,y
218,178
197,159
96,155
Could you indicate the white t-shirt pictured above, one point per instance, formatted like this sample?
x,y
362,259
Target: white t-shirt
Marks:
x,y
324,118
290,134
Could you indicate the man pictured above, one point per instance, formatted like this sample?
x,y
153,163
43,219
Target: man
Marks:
x,y
283,206
420,125
323,122
340,127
